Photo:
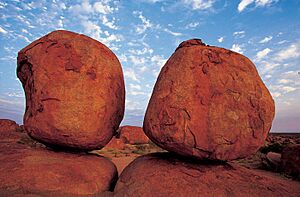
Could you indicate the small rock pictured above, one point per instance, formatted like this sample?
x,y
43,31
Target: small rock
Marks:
x,y
272,161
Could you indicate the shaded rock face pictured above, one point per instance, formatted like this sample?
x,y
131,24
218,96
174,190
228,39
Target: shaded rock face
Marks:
x,y
8,125
74,89
166,175
290,160
28,170
209,102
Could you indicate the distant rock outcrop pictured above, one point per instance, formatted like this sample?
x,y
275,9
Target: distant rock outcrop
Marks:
x,y
7,125
209,102
30,169
128,135
169,175
74,89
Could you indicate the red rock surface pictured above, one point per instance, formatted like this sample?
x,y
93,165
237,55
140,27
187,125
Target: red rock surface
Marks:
x,y
128,135
209,102
165,175
272,161
290,160
8,125
30,170
74,89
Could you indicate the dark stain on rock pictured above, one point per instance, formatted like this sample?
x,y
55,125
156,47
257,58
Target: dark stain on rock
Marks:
x,y
91,73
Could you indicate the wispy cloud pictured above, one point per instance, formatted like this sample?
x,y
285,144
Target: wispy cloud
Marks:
x,y
237,48
266,39
199,4
258,3
291,52
263,53
3,31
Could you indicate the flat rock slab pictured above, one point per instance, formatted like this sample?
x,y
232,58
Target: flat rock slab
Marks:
x,y
165,175
28,169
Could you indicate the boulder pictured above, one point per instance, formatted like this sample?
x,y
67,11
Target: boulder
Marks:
x,y
28,170
290,160
74,89
132,135
272,161
168,175
209,102
7,125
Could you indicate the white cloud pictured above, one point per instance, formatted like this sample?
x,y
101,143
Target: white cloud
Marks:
x,y
3,30
173,33
288,89
91,29
137,61
111,39
103,7
129,73
158,60
237,48
238,33
145,50
262,3
258,3
263,53
192,25
123,58
266,39
135,86
84,7
146,24
284,81
267,66
292,51
134,93
110,24
199,4
243,4
282,89
221,39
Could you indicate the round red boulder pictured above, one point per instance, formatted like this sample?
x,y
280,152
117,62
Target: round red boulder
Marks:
x,y
74,89
209,102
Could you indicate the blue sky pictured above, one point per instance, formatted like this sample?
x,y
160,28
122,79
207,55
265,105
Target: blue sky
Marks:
x,y
144,34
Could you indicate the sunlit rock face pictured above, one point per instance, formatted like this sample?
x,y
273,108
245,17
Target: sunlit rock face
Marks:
x,y
74,87
169,175
209,102
28,168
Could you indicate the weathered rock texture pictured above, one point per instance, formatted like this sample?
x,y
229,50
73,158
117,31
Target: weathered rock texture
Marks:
x,y
166,175
7,125
290,160
74,89
128,135
209,102
28,169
